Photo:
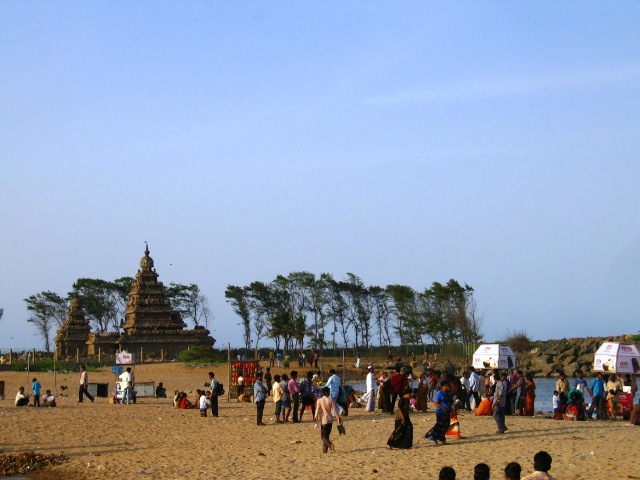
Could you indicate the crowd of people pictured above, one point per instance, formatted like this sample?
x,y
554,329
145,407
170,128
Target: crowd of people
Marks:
x,y
491,392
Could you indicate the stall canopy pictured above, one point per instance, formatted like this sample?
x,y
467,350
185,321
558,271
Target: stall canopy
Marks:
x,y
614,357
494,356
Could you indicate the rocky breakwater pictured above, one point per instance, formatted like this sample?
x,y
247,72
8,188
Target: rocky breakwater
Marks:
x,y
568,355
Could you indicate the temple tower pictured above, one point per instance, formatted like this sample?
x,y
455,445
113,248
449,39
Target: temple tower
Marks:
x,y
72,336
151,324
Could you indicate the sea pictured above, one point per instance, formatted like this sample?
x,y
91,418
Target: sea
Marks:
x,y
544,392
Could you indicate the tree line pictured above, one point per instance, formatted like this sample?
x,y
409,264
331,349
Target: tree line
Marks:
x,y
104,304
329,312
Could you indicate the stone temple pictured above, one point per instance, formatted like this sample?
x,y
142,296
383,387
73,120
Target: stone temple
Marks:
x,y
71,339
150,324
152,328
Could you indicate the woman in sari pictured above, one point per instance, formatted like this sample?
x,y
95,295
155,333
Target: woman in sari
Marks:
x,y
530,389
423,390
443,401
402,435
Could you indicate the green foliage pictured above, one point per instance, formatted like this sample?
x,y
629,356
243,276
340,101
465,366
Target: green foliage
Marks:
x,y
42,365
201,354
46,310
519,341
103,301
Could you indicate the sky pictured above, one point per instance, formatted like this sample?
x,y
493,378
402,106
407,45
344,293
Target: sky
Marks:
x,y
494,143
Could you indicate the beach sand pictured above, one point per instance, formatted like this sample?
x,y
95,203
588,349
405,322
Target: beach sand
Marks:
x,y
153,440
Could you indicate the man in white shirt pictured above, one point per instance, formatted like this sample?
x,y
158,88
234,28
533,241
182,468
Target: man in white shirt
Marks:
x,y
22,399
49,399
474,386
125,383
465,391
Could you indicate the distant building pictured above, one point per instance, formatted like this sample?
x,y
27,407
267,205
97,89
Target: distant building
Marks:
x,y
152,328
71,339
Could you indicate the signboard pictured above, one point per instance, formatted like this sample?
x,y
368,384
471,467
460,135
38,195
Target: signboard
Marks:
x,y
117,370
125,358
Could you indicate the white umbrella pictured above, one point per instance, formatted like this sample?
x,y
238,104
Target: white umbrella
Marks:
x,y
615,357
494,355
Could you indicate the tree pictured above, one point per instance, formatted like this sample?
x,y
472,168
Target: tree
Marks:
x,y
404,307
360,308
317,307
380,298
103,301
47,309
188,300
238,297
451,313
337,310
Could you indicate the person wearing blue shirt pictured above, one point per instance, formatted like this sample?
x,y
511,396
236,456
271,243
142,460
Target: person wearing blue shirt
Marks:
x,y
259,397
36,392
443,401
596,389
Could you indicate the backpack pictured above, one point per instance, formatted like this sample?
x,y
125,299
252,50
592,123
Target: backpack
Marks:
x,y
219,389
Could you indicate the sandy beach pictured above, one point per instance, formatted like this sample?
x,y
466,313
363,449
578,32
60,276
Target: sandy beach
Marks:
x,y
153,440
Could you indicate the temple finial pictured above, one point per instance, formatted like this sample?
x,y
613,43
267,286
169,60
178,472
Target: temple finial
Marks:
x,y
146,250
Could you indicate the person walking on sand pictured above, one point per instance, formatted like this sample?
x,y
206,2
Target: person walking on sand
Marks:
x,y
326,410
443,401
402,435
259,398
84,384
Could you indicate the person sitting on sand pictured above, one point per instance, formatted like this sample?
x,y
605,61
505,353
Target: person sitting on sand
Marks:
x,y
161,392
184,402
22,399
49,399
176,398
541,465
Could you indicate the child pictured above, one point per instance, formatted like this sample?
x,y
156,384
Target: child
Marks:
x,y
36,392
556,405
205,402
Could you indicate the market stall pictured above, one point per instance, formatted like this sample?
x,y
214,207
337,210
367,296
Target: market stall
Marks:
x,y
494,355
615,357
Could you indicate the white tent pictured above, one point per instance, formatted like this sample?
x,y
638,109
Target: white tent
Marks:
x,y
617,357
494,355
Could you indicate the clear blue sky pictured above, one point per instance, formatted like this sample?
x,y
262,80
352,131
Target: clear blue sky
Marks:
x,y
495,143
